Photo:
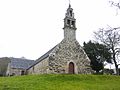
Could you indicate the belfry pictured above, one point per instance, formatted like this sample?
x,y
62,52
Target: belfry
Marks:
x,y
69,25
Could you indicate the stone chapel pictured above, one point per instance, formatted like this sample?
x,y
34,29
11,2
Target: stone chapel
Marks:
x,y
67,57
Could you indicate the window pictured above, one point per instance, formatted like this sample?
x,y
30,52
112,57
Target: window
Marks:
x,y
73,23
68,22
71,13
22,72
33,68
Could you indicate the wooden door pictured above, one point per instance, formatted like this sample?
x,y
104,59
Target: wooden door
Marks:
x,y
71,68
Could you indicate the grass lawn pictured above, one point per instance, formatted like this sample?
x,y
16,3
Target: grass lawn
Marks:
x,y
60,82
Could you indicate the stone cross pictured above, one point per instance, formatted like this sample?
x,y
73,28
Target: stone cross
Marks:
x,y
69,2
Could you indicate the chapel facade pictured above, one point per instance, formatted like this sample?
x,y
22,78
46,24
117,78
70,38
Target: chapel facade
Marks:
x,y
67,57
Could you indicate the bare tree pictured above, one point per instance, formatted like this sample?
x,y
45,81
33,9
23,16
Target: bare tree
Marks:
x,y
111,38
115,4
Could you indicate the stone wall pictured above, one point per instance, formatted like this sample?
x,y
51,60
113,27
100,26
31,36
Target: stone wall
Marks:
x,y
66,52
13,71
69,34
39,68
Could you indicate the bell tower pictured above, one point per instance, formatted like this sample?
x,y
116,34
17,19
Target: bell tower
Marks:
x,y
69,25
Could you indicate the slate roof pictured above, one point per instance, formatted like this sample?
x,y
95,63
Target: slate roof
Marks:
x,y
42,57
20,63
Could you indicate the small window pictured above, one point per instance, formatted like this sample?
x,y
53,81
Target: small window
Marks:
x,y
73,23
22,72
33,68
71,13
68,22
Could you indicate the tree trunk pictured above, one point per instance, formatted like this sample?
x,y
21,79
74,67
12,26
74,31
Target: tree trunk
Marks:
x,y
116,66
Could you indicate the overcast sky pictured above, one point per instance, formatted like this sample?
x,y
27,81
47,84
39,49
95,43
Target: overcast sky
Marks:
x,y
30,28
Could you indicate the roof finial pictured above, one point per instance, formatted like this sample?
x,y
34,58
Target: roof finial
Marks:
x,y
69,4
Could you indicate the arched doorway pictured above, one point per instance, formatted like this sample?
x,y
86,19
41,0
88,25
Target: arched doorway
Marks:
x,y
71,68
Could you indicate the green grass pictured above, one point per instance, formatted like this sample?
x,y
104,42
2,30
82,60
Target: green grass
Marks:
x,y
60,82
